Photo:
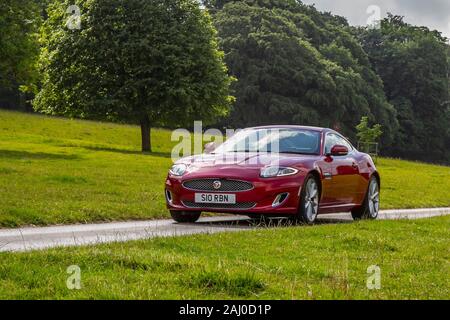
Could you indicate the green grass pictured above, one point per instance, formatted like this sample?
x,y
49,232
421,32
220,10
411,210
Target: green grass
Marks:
x,y
65,171
408,184
56,171
327,261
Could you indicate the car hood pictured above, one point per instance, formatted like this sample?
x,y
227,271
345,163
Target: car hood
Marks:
x,y
240,165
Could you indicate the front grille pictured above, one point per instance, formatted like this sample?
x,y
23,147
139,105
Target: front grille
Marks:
x,y
239,206
226,185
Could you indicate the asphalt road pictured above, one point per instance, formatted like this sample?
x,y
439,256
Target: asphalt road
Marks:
x,y
35,238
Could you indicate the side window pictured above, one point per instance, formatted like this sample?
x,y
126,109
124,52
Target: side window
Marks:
x,y
344,142
332,139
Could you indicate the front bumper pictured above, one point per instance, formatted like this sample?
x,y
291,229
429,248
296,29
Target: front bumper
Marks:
x,y
259,200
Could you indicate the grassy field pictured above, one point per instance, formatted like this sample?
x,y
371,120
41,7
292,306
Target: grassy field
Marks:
x,y
56,171
320,262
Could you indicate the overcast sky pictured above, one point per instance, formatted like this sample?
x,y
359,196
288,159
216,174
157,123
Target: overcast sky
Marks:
x,y
434,14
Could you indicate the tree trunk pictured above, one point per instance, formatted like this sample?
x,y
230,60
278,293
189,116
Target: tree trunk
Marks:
x,y
145,134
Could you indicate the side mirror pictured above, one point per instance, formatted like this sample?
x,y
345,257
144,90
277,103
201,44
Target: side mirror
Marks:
x,y
210,147
339,150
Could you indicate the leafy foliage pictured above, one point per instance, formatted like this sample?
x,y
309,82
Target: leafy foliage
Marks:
x,y
154,62
365,133
19,50
298,66
19,21
413,63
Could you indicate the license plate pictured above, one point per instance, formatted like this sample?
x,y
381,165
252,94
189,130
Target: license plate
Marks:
x,y
215,198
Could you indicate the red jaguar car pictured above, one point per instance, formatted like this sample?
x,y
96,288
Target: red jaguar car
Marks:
x,y
278,171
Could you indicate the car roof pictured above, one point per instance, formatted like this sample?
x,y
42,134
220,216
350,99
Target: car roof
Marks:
x,y
293,127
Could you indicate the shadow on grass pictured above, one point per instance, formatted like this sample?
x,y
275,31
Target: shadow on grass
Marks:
x,y
25,155
125,151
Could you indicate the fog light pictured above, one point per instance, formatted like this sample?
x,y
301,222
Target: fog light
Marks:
x,y
280,199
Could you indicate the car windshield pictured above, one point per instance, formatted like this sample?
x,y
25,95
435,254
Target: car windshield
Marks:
x,y
276,140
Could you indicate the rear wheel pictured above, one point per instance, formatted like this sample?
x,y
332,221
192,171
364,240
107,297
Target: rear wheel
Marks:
x,y
309,201
185,216
371,205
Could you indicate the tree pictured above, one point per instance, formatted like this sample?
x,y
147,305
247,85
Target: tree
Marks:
x,y
365,133
152,62
19,48
413,64
296,65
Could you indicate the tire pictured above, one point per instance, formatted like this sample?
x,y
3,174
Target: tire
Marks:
x,y
309,201
185,216
371,205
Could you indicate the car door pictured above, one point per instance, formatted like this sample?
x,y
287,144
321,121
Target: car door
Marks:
x,y
344,171
327,195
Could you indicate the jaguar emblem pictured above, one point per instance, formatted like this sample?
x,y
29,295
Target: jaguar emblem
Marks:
x,y
217,184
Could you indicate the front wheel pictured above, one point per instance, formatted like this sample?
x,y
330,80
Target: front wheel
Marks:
x,y
185,216
371,205
309,201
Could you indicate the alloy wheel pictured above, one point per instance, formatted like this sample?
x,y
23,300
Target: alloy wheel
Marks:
x,y
311,199
374,198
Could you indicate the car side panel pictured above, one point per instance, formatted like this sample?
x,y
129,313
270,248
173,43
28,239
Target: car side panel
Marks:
x,y
327,195
366,168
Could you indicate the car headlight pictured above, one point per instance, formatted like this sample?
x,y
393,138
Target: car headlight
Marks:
x,y
178,169
275,171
